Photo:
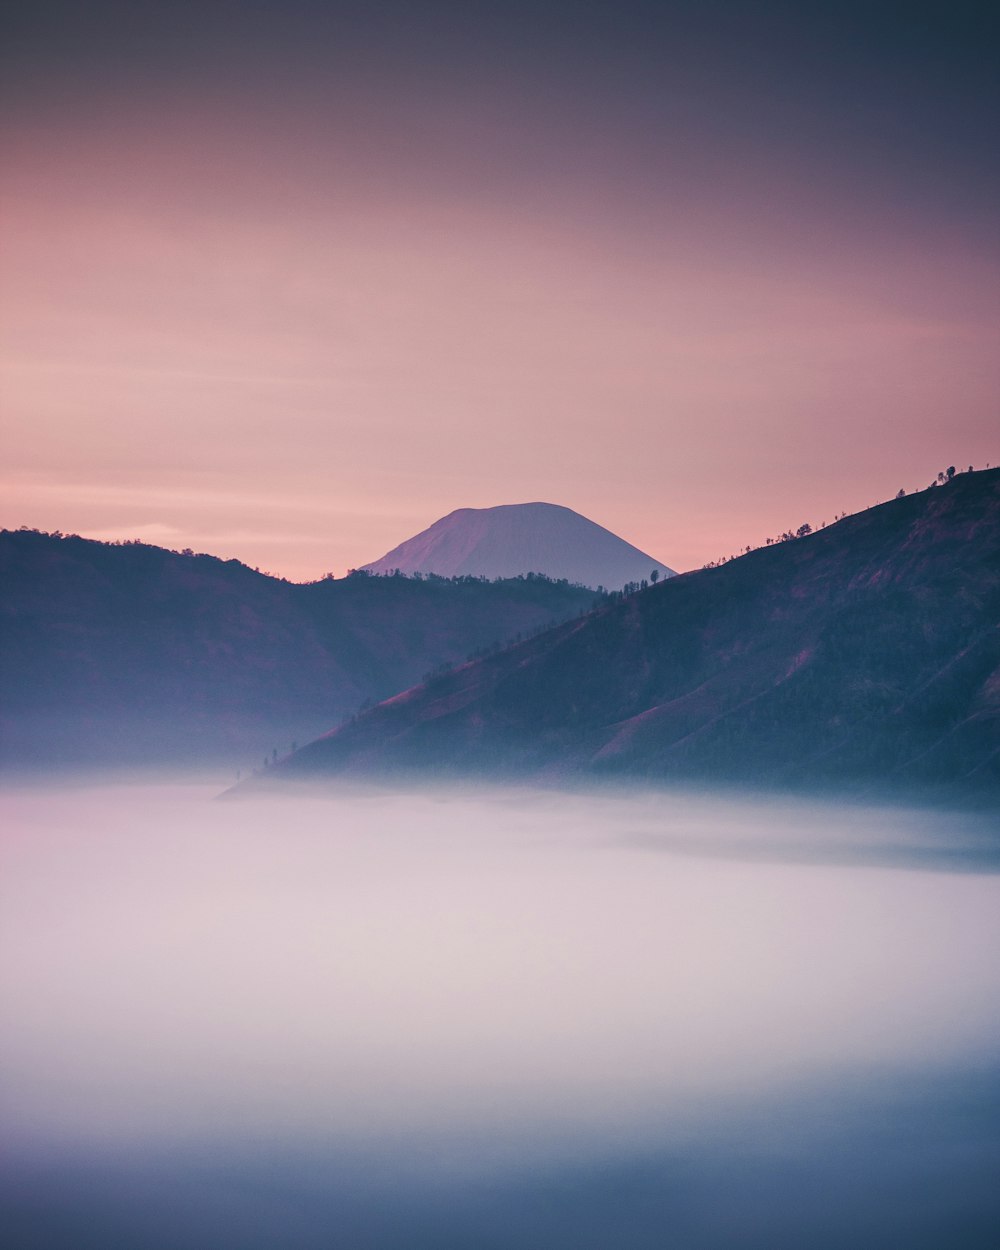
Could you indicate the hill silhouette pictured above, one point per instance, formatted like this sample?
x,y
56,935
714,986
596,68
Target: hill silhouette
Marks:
x,y
128,653
864,655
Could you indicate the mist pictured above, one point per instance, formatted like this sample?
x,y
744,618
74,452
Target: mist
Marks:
x,y
495,1017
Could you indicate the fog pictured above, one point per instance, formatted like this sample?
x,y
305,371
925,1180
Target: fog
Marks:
x,y
495,1017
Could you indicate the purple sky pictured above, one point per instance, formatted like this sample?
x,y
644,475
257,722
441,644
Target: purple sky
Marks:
x,y
290,282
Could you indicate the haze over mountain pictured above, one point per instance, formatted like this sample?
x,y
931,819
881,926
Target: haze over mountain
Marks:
x,y
522,538
861,656
130,653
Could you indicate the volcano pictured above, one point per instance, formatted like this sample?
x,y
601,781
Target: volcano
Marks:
x,y
516,539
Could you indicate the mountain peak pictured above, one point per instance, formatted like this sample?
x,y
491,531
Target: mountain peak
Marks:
x,y
512,539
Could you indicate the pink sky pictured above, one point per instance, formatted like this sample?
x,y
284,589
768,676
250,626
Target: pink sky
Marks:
x,y
224,328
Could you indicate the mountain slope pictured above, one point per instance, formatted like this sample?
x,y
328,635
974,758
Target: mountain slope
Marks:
x,y
117,653
521,538
865,654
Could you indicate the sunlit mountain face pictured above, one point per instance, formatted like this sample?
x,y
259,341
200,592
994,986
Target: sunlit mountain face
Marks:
x,y
514,539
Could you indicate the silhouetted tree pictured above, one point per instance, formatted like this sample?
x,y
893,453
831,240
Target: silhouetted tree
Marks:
x,y
654,577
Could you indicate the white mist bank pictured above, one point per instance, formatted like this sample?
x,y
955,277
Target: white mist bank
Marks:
x,y
522,972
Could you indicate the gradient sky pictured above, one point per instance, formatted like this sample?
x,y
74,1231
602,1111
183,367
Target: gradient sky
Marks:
x,y
288,282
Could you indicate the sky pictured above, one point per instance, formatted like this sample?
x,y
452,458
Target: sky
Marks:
x,y
290,282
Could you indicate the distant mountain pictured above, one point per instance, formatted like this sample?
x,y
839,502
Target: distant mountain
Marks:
x,y
863,656
522,538
128,653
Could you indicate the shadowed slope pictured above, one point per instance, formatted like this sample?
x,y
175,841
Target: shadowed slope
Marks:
x,y
867,653
132,653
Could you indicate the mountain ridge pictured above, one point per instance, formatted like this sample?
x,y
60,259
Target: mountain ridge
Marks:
x,y
129,652
865,654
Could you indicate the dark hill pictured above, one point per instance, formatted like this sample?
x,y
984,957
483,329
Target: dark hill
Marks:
x,y
867,654
129,652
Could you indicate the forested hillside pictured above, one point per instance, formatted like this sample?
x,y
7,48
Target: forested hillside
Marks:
x,y
866,655
122,653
